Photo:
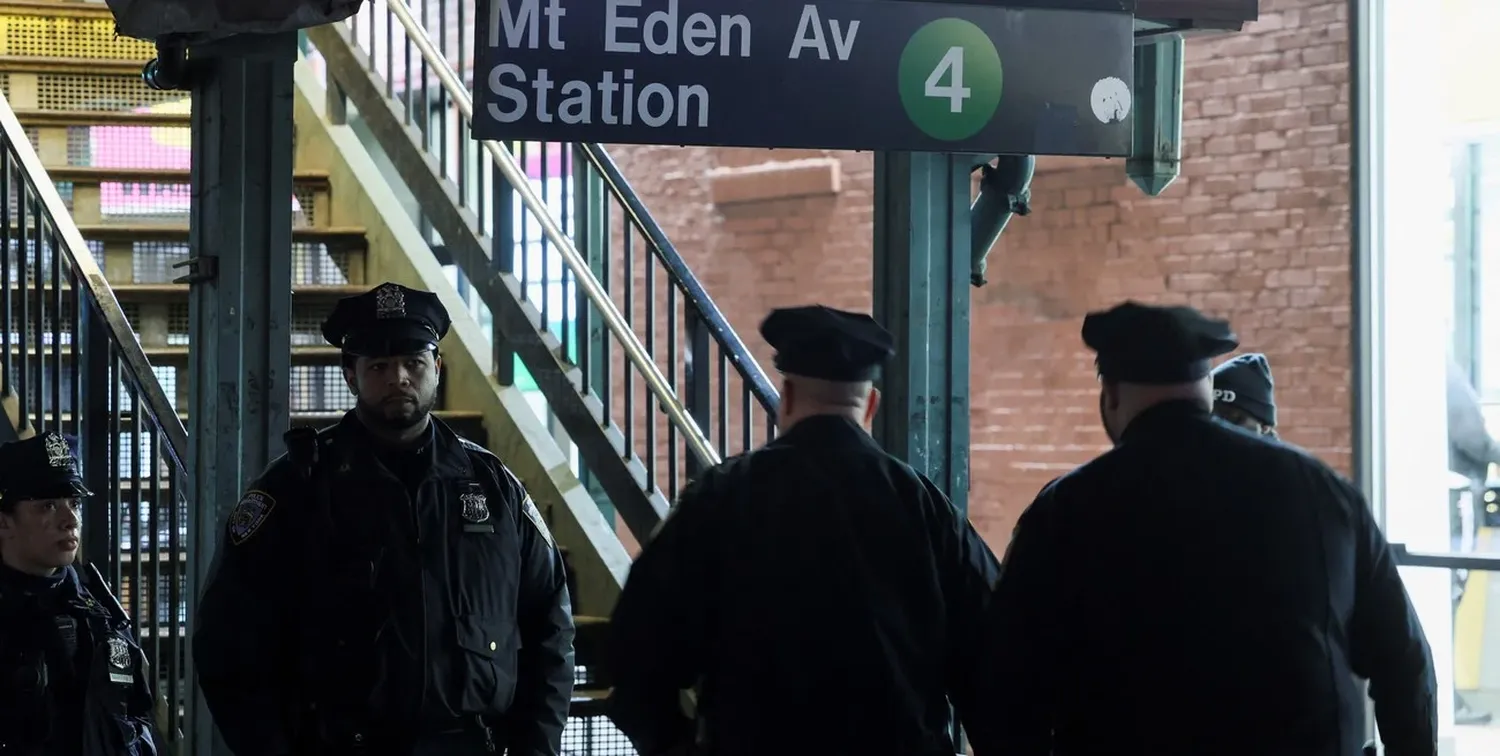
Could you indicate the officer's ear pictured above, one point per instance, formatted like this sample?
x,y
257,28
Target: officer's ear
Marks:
x,y
1109,394
788,399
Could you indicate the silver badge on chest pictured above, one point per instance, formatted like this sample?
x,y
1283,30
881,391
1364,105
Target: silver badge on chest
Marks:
x,y
474,507
119,653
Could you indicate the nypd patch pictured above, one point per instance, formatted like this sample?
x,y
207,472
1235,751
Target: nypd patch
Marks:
x,y
535,515
249,515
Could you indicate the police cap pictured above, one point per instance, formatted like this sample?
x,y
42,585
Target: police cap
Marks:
x,y
1139,343
821,342
1245,383
40,467
386,321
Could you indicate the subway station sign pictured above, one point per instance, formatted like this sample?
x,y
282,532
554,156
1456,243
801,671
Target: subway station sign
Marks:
x,y
833,74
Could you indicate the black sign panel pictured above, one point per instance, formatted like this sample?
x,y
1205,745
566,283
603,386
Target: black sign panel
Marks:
x,y
835,74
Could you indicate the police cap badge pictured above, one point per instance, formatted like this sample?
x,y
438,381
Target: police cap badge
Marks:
x,y
387,321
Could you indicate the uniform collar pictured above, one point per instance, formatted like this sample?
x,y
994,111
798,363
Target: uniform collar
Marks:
x,y
1164,416
64,582
823,431
444,451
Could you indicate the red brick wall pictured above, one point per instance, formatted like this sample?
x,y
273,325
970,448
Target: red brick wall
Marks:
x,y
1256,229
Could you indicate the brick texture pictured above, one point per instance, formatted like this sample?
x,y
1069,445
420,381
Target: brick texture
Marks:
x,y
1256,229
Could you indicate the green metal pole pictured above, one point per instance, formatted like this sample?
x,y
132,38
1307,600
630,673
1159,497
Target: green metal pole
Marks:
x,y
922,297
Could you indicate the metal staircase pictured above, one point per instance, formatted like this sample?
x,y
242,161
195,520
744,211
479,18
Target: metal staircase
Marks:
x,y
589,300
71,362
639,367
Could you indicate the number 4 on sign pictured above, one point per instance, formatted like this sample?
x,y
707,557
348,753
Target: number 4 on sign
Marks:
x,y
951,66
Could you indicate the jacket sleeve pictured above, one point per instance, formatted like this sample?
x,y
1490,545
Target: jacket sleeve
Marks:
x,y
1015,689
240,638
1388,646
544,615
967,570
660,625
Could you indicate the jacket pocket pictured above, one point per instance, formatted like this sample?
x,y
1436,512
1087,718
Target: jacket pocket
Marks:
x,y
488,668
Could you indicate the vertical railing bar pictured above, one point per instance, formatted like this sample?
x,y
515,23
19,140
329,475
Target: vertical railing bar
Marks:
x,y
136,536
544,276
115,494
23,274
672,450
748,426
650,342
177,615
423,69
153,617
55,422
721,399
518,211
626,374
80,311
606,369
39,290
6,274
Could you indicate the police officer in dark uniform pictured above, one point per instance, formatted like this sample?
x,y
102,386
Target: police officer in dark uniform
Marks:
x,y
821,595
387,587
73,681
1198,589
1245,394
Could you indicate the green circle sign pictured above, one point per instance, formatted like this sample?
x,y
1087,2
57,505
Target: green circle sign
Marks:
x,y
949,78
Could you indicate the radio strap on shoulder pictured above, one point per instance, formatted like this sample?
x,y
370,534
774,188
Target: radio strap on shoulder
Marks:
x,y
100,591
302,450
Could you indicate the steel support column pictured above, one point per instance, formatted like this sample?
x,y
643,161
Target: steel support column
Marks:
x,y
240,302
922,296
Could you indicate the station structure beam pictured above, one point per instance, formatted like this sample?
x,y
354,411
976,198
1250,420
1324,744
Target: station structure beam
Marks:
x,y
239,270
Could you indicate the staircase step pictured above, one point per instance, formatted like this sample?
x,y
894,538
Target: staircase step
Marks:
x,y
88,174
64,118
178,355
46,64
109,232
169,293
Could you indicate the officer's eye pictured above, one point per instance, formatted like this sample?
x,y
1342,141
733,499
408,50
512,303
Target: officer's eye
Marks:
x,y
415,365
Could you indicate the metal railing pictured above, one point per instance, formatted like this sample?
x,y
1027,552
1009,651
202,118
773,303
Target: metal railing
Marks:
x,y
71,363
622,301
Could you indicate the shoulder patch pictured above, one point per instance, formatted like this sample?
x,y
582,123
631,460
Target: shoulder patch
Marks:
x,y
249,515
535,515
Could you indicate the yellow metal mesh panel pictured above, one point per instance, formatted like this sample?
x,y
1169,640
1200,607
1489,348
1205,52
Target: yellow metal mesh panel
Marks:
x,y
64,35
98,93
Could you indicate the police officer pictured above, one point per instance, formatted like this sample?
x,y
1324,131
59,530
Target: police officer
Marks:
x,y
387,587
1245,395
1197,589
826,596
73,681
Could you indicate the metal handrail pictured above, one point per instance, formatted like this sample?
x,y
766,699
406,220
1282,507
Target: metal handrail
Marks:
x,y
677,269
1445,560
516,177
99,292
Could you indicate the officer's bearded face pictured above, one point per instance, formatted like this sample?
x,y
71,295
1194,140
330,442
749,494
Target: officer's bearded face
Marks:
x,y
396,393
40,536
